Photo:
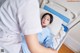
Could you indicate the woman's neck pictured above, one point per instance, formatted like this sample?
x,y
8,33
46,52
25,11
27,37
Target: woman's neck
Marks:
x,y
43,26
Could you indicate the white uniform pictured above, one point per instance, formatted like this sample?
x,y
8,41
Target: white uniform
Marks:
x,y
18,16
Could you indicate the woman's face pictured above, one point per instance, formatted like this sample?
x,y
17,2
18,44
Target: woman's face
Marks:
x,y
45,21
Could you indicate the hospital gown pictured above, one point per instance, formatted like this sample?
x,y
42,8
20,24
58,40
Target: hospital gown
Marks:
x,y
44,37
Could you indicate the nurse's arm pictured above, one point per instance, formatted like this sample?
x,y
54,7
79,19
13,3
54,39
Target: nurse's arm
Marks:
x,y
34,45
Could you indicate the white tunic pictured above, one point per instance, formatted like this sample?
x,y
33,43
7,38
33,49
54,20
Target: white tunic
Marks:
x,y
18,16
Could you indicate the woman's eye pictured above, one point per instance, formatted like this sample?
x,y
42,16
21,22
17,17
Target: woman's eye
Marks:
x,y
48,19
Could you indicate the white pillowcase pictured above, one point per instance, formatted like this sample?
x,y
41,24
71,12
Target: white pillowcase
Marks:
x,y
56,24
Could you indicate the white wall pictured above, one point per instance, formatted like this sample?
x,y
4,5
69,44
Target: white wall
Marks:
x,y
75,33
73,39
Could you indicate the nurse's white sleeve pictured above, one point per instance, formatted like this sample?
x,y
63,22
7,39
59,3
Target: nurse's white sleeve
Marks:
x,y
29,17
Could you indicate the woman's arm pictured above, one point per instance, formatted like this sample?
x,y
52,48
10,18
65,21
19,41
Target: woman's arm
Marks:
x,y
34,45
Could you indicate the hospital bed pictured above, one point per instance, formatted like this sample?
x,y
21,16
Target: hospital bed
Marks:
x,y
63,21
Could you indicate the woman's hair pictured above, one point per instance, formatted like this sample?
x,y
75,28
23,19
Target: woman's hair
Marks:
x,y
51,17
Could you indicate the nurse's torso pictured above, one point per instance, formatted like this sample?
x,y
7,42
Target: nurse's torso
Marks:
x,y
10,38
8,22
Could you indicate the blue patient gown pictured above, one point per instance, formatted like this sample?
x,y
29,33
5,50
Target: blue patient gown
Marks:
x,y
44,37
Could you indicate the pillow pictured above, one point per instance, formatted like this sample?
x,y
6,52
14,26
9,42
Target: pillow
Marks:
x,y
56,24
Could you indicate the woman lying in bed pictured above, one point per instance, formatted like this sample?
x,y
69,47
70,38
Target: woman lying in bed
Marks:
x,y
44,37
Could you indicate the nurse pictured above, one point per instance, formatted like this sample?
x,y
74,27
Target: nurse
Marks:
x,y
19,16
